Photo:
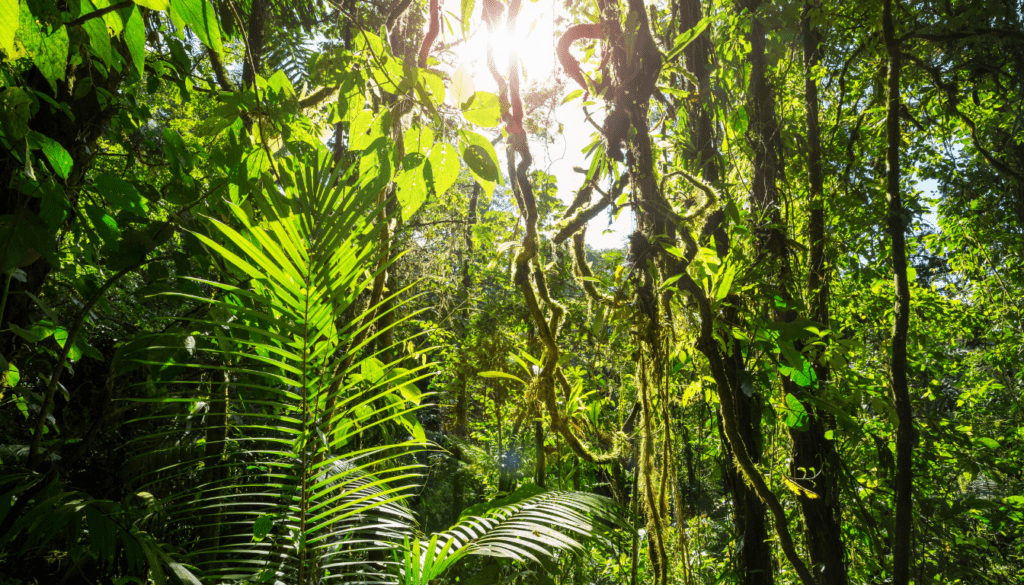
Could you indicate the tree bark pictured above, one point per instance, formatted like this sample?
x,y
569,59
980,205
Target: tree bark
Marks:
x,y
898,365
214,468
458,481
254,36
812,453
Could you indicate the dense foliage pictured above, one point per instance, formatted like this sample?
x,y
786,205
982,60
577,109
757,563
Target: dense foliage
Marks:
x,y
287,300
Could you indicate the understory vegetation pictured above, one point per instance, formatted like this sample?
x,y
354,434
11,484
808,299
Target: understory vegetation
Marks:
x,y
287,299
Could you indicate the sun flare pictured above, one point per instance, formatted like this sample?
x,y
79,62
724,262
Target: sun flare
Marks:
x,y
532,42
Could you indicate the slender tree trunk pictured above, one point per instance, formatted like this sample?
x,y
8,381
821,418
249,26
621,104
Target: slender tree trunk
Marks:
x,y
764,197
812,453
254,36
538,437
214,468
898,366
458,482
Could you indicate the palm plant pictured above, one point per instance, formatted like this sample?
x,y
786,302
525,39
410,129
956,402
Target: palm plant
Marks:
x,y
305,462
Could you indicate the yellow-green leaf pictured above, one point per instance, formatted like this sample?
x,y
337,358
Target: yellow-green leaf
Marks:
x,y
483,110
442,168
9,19
462,87
154,4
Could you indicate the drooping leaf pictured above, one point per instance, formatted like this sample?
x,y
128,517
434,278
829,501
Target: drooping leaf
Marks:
x,y
51,55
99,38
135,39
200,16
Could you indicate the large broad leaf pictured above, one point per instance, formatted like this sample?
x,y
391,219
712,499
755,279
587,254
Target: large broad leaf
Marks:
x,y
462,87
49,51
9,19
483,110
412,189
796,414
442,168
200,16
135,39
121,195
481,160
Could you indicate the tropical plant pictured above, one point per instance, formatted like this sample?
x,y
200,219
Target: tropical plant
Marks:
x,y
308,477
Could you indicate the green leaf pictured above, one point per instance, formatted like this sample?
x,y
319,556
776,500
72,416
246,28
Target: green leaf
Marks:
x,y
10,376
262,527
59,158
51,56
442,168
367,128
467,14
990,443
15,111
135,39
738,121
725,285
412,190
121,195
154,4
433,85
200,16
796,414
99,38
480,162
683,40
176,151
24,232
46,308
418,139
502,375
105,226
9,20
572,95
483,110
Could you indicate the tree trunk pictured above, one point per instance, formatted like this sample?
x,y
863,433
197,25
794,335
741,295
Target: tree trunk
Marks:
x,y
898,366
214,467
458,481
254,35
812,453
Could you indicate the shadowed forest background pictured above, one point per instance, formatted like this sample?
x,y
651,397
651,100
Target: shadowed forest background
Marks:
x,y
484,291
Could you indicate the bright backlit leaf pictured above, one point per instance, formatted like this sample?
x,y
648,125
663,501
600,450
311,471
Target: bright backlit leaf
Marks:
x,y
483,110
462,86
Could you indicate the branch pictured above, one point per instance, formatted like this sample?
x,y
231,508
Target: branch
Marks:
x,y
435,28
956,36
219,71
312,100
569,63
101,12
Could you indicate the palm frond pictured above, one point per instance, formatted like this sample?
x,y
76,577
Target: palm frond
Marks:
x,y
534,528
303,477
